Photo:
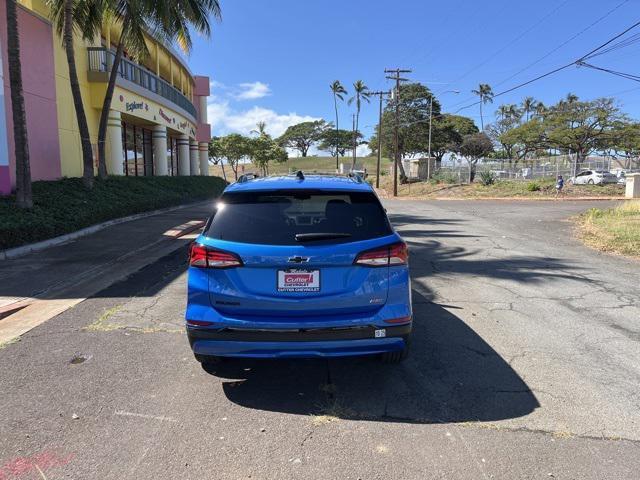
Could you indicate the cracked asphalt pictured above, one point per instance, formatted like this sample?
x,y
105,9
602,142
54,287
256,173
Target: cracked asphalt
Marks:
x,y
525,365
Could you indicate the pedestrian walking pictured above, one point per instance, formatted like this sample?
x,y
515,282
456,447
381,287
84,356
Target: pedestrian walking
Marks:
x,y
559,186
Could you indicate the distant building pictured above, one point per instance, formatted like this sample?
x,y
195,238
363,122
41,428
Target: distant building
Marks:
x,y
158,119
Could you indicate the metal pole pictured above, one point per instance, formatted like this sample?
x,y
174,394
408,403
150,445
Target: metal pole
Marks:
x,y
395,140
379,144
430,120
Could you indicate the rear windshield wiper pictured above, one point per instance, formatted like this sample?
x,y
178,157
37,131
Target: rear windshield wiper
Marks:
x,y
309,237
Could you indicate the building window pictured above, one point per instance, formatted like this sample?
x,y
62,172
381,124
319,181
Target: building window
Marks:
x,y
172,155
137,150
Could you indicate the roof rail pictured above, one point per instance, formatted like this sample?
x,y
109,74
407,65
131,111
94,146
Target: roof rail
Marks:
x,y
356,177
247,176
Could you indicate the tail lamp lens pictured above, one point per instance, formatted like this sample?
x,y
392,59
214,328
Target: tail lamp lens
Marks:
x,y
395,254
205,257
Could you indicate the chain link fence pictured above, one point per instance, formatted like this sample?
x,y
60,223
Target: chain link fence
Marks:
x,y
524,170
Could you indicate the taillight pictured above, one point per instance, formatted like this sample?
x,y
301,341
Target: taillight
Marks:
x,y
395,254
205,257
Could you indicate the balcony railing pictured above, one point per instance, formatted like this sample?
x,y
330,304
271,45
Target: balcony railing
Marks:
x,y
101,59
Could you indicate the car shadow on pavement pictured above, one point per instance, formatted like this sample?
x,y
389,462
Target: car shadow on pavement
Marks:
x,y
452,375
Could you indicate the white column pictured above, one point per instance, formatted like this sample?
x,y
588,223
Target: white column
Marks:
x,y
183,155
160,163
204,158
114,153
194,158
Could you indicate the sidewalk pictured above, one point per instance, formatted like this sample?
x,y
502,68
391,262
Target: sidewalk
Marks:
x,y
42,284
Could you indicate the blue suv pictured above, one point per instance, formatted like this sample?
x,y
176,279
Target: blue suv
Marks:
x,y
298,266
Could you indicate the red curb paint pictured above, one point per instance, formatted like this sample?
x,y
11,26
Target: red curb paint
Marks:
x,y
19,466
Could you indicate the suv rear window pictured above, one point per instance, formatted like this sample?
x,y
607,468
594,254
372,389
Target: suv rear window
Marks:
x,y
277,217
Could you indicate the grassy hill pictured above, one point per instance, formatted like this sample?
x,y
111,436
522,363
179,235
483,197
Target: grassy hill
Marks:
x,y
308,164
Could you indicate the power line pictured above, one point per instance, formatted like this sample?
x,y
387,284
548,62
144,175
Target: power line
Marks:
x,y
579,61
565,42
554,50
511,42
628,76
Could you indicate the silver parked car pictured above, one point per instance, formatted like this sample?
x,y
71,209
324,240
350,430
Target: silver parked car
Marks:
x,y
593,177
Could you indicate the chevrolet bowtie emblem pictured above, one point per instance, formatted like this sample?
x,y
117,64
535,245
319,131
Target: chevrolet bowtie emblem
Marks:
x,y
298,259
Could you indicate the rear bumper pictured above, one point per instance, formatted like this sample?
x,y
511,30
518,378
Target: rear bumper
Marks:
x,y
297,343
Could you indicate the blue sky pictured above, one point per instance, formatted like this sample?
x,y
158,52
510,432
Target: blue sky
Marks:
x,y
274,60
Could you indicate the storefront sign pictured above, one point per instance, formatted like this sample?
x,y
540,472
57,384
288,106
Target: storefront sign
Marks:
x,y
166,117
131,106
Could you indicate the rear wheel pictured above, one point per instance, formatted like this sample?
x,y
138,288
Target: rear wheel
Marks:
x,y
397,356
591,182
208,360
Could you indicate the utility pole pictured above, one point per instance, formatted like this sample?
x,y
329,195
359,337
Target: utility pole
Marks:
x,y
380,94
396,76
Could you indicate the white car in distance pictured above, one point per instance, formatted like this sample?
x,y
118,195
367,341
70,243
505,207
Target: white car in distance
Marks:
x,y
593,177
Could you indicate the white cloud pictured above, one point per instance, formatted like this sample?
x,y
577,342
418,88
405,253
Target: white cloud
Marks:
x,y
252,91
224,119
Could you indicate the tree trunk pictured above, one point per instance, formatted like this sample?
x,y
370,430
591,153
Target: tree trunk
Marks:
x,y
335,103
355,137
24,198
403,175
108,97
481,119
224,174
83,127
472,172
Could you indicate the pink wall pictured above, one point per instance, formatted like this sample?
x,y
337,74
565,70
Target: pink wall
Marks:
x,y
201,89
38,77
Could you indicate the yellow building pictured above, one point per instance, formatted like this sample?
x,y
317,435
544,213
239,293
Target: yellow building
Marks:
x,y
158,118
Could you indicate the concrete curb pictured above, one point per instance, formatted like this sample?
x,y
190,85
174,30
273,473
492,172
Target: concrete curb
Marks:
x,y
512,199
52,242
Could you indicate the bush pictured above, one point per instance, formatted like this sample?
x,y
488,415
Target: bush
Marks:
x,y
533,187
64,206
443,176
487,178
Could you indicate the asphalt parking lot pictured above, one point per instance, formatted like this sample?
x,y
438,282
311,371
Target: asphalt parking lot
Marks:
x,y
525,364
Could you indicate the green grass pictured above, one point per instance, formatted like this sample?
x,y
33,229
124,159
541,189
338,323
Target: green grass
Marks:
x,y
64,206
538,188
615,230
309,164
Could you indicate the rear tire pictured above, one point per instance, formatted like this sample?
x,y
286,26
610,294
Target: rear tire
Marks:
x,y
208,360
399,356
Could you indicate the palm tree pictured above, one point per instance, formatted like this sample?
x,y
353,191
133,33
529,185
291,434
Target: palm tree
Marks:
x,y
571,98
529,106
261,129
361,93
170,20
338,94
24,198
86,17
485,92
509,110
541,109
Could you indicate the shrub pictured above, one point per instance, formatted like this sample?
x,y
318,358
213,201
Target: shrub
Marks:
x,y
533,187
443,176
64,206
487,178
